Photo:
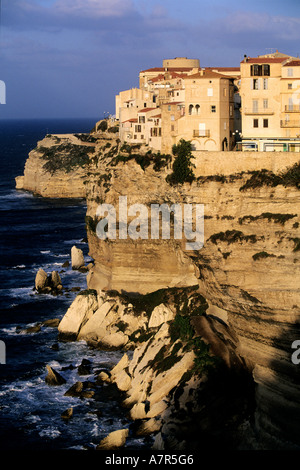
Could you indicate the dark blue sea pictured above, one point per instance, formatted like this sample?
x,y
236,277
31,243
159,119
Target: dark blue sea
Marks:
x,y
39,233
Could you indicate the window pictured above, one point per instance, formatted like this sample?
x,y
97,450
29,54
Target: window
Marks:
x,y
266,104
266,69
255,84
210,92
265,83
290,86
142,119
256,70
213,109
191,109
145,105
224,92
197,108
259,70
138,128
290,72
255,122
231,111
172,117
254,106
266,123
172,128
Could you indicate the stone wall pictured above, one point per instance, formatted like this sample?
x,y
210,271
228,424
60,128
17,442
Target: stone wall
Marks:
x,y
227,163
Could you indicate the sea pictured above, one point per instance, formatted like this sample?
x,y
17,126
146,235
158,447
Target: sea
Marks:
x,y
35,233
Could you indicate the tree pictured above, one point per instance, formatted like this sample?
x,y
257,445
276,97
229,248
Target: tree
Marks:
x,y
103,125
182,166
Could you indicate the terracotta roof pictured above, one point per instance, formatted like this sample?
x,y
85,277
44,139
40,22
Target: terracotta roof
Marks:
x,y
156,116
292,63
168,69
174,102
162,77
145,110
264,60
224,69
206,74
130,120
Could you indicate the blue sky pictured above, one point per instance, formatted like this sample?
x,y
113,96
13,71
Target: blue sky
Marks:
x,y
68,58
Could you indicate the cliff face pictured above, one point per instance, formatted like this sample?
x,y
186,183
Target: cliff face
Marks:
x,y
248,272
58,167
248,269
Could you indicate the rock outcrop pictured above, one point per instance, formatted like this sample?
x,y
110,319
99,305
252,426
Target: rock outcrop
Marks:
x,y
77,258
48,283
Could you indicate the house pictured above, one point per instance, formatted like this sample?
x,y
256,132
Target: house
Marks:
x,y
270,110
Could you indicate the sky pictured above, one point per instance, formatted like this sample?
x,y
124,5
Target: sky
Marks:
x,y
69,58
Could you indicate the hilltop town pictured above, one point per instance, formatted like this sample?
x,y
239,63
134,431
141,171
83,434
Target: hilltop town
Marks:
x,y
253,107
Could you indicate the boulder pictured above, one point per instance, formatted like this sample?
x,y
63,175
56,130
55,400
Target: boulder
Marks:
x,y
77,258
95,327
41,280
53,377
51,323
161,314
55,279
75,390
67,414
81,309
114,340
114,440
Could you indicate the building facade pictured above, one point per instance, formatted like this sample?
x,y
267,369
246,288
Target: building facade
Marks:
x,y
270,109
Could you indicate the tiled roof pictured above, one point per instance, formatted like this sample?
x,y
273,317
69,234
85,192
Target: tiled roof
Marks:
x,y
292,63
174,102
224,69
130,120
264,60
168,69
145,110
205,74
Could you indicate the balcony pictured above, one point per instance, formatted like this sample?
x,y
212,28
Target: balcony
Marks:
x,y
292,108
294,123
201,133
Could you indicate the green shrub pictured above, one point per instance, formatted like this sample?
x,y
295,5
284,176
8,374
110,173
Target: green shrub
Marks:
x,y
289,177
277,218
231,236
182,166
65,157
262,254
103,125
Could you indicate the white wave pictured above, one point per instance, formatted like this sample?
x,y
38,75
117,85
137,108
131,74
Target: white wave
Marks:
x,y
50,432
32,419
19,266
74,242
45,252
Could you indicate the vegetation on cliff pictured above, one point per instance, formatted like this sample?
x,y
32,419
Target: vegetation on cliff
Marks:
x,y
65,157
182,166
289,177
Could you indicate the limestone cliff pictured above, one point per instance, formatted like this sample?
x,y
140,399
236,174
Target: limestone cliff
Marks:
x,y
58,167
248,269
